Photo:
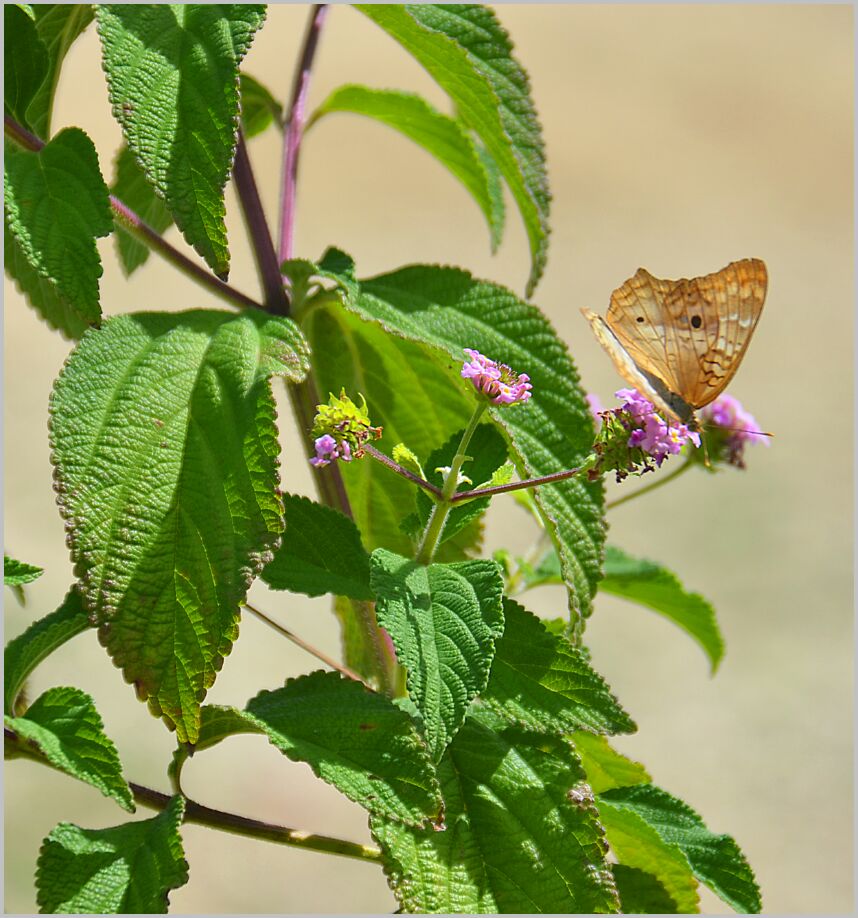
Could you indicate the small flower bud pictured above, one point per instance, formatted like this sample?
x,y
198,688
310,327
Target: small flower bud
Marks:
x,y
340,429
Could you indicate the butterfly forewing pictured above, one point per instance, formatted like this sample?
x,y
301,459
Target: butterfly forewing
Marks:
x,y
690,335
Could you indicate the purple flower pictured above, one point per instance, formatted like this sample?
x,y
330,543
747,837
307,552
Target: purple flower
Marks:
x,y
731,428
327,449
500,384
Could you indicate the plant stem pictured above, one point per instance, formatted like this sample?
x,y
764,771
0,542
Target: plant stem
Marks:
x,y
295,129
518,485
400,470
126,218
314,651
664,479
441,510
218,819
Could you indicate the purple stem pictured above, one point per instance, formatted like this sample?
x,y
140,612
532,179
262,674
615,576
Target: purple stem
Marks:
x,y
295,130
396,467
514,486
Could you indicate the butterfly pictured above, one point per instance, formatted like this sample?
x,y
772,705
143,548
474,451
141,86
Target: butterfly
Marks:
x,y
680,342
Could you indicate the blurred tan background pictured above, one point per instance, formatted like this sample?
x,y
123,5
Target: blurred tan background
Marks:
x,y
678,138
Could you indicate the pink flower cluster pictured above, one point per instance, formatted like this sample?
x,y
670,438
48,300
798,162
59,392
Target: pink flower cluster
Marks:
x,y
652,433
327,449
500,384
737,427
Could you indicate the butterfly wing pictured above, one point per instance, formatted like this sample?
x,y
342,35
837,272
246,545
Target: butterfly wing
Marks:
x,y
689,334
648,384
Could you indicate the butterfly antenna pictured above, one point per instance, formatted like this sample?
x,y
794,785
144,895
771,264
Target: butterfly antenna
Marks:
x,y
762,433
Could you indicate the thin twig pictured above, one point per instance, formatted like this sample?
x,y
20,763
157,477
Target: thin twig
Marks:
x,y
514,486
318,654
657,483
219,819
295,129
401,470
125,217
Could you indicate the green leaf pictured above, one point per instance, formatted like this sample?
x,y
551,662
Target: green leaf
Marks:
x,y
659,589
58,25
417,402
39,292
443,620
439,135
65,726
321,552
126,869
132,188
605,767
25,62
448,310
469,54
24,653
715,859
543,683
356,740
259,109
637,844
641,893
172,73
26,8
165,444
16,573
487,453
56,206
514,841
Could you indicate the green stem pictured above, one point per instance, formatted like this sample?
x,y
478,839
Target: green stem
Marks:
x,y
664,479
226,822
400,470
441,510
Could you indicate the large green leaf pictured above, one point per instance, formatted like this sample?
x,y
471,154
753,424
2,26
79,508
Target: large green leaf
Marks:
x,y
441,136
24,653
469,54
164,437
715,859
25,62
541,682
641,893
321,552
659,589
132,188
65,726
126,869
355,739
58,25
637,844
56,205
415,400
443,620
448,310
172,72
514,841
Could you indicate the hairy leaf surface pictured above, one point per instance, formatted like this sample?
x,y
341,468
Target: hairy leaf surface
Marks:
x,y
56,206
356,740
514,840
469,54
604,766
165,442
439,135
126,869
321,552
541,682
172,72
443,620
17,573
64,724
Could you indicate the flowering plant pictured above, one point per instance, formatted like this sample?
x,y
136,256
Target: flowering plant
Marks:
x,y
474,734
